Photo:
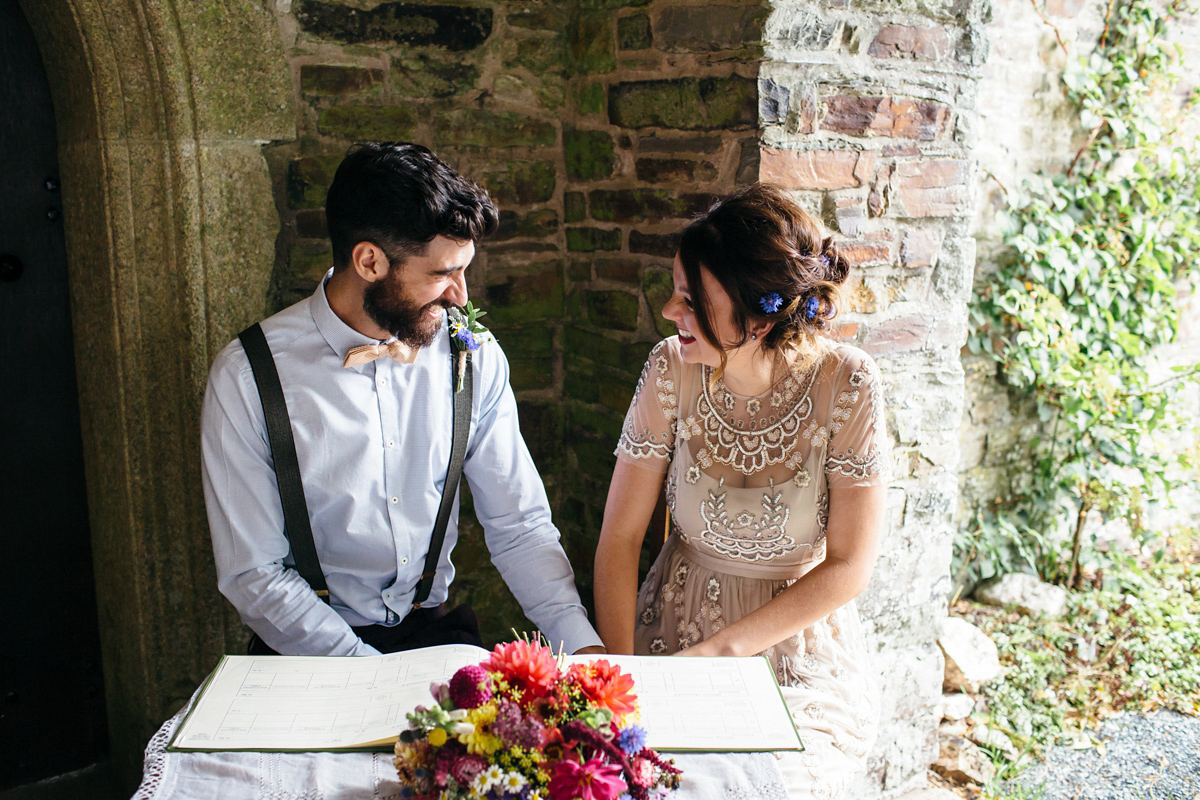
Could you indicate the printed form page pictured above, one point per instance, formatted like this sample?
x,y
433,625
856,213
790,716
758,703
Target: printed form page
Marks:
x,y
725,704
316,703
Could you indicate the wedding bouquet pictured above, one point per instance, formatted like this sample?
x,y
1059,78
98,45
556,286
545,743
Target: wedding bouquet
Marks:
x,y
519,726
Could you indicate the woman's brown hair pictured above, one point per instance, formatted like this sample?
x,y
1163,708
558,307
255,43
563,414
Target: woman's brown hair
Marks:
x,y
773,261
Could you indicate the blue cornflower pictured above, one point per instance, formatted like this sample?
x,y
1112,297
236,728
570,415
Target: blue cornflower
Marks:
x,y
770,303
810,307
632,739
468,339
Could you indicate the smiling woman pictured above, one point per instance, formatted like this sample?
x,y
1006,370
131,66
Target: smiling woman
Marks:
x,y
771,442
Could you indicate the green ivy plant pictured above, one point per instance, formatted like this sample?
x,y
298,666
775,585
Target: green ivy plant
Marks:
x,y
1087,289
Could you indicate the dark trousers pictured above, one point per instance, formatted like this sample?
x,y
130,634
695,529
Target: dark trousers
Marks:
x,y
423,627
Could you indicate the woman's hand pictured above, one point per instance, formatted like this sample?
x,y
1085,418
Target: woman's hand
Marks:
x,y
632,496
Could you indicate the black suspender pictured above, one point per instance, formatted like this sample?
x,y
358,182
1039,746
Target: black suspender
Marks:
x,y
287,467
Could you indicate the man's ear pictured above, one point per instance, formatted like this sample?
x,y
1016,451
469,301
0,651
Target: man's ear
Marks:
x,y
369,262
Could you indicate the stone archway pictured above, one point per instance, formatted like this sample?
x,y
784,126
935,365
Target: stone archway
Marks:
x,y
162,109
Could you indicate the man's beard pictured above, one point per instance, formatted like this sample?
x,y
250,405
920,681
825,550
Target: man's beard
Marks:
x,y
390,308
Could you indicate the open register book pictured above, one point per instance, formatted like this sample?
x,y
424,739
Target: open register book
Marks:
x,y
308,703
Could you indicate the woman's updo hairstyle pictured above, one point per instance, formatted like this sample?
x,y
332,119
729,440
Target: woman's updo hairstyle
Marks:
x,y
774,263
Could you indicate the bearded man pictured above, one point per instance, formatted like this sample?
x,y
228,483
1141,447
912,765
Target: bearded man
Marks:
x,y
367,373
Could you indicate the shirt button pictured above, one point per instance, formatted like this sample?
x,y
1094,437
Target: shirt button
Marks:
x,y
404,561
395,499
383,381
391,443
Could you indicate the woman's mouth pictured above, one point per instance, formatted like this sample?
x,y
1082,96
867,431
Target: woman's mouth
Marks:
x,y
685,337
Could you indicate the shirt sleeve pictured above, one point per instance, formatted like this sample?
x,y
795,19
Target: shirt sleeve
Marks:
x,y
511,504
648,436
858,444
245,518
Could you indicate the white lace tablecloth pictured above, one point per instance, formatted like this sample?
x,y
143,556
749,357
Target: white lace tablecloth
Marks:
x,y
355,776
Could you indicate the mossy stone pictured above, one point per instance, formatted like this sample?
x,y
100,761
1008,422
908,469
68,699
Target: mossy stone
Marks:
x,y
685,103
589,240
591,43
634,33
308,180
536,224
421,76
592,97
327,80
523,183
539,55
549,18
480,128
590,155
658,286
582,343
574,207
615,310
612,3
454,28
535,294
359,123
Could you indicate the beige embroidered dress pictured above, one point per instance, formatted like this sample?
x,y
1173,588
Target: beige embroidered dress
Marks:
x,y
747,482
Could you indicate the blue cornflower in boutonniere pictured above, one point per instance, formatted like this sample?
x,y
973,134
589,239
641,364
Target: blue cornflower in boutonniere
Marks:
x,y
466,334
811,305
770,303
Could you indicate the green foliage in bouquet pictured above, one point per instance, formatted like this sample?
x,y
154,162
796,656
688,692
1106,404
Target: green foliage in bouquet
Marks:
x,y
1087,290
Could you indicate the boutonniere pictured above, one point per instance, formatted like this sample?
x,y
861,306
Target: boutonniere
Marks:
x,y
466,335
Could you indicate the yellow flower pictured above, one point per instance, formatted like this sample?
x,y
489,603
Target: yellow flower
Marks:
x,y
437,737
481,741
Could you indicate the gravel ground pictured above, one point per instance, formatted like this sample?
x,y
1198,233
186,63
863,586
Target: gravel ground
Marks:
x,y
1146,757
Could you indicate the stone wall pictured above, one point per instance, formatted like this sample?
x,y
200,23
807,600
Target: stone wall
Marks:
x,y
599,126
869,114
1026,127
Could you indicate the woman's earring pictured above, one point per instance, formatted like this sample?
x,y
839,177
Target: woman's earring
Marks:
x,y
754,336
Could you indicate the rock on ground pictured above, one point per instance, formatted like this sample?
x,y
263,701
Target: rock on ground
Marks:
x,y
971,657
1028,594
957,706
1145,756
961,761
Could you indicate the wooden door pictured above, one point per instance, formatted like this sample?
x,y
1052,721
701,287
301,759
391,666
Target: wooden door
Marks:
x,y
51,685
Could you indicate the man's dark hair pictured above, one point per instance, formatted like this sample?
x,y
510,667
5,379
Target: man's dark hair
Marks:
x,y
400,196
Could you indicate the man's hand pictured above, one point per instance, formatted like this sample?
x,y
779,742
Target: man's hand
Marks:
x,y
594,649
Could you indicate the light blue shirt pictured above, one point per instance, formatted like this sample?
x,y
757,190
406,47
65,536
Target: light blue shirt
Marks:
x,y
373,444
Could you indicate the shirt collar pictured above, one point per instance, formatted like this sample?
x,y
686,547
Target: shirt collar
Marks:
x,y
340,336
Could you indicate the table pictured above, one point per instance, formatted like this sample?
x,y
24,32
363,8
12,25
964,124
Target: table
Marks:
x,y
351,776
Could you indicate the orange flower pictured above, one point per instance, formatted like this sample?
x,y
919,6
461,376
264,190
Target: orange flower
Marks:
x,y
605,685
529,668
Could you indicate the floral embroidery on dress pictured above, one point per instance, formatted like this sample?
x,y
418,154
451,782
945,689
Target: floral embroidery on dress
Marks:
x,y
772,441
747,538
646,443
802,478
693,474
658,646
816,433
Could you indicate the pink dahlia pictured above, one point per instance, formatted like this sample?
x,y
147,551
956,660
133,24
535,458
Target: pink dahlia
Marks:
x,y
591,780
529,668
470,687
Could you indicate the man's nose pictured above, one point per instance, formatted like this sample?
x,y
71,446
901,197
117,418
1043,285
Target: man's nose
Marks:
x,y
456,292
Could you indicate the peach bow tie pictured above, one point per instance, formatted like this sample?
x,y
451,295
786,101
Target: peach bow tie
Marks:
x,y
366,353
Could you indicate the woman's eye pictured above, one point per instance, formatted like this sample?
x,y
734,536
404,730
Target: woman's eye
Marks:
x,y
687,301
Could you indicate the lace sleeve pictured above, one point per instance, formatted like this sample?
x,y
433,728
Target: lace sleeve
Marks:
x,y
648,436
858,443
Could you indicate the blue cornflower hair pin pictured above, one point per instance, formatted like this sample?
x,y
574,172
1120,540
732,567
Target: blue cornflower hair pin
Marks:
x,y
466,334
770,303
811,305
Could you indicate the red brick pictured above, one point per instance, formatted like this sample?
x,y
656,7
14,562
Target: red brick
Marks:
x,y
816,169
845,332
924,120
903,335
931,188
920,249
861,254
903,41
